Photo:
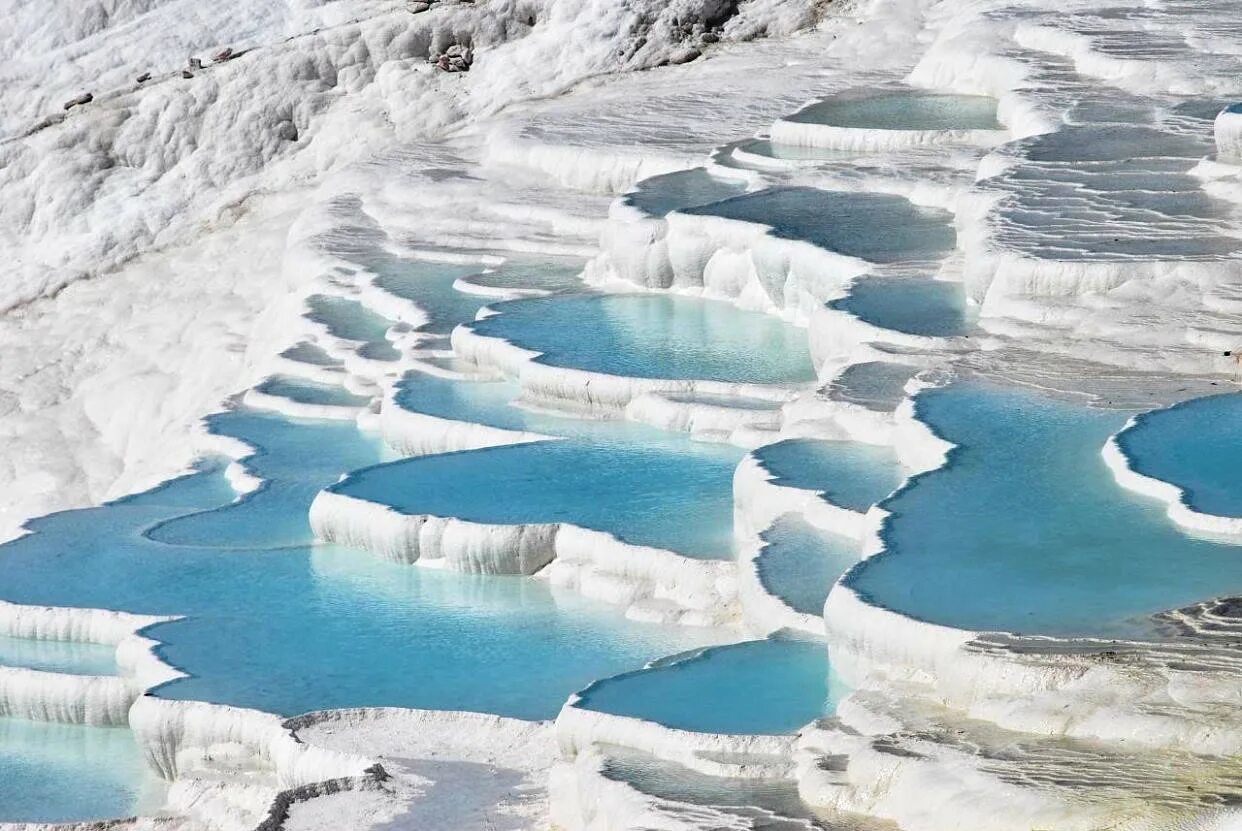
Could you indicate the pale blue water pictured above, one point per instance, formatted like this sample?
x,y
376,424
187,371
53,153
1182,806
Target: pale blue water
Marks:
x,y
1027,531
934,308
70,773
849,474
1196,445
646,486
771,686
553,274
346,318
876,385
844,222
795,153
904,111
799,562
658,195
674,498
655,336
430,286
309,353
276,623
58,656
306,391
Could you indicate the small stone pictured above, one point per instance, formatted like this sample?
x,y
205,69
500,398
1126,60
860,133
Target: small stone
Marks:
x,y
417,7
196,63
144,77
455,49
187,74
84,98
225,54
711,37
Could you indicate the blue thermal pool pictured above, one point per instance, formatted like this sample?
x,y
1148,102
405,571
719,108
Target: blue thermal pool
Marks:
x,y
655,336
844,222
277,623
658,195
848,474
799,563
58,656
550,274
876,385
306,391
347,319
1197,446
903,111
1026,531
70,773
673,498
793,152
309,353
430,286
771,686
932,308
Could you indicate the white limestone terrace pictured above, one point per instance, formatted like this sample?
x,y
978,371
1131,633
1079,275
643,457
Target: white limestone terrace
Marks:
x,y
1082,299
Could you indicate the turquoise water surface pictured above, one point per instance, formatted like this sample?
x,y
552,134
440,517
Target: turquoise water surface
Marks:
x,y
70,657
71,773
903,111
799,563
844,221
848,474
1196,445
1026,531
932,308
770,686
658,195
655,336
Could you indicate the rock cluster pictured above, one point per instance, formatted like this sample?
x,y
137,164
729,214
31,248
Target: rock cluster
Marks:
x,y
457,58
84,98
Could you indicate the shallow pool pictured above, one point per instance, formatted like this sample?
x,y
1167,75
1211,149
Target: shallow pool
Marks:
x,y
58,656
655,336
932,308
277,623
347,319
306,391
771,686
844,222
799,563
71,773
876,385
903,111
1197,446
848,474
1026,530
658,195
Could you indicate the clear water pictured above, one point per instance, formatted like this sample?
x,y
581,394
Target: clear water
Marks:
x,y
904,111
876,385
347,319
1026,530
70,773
546,274
306,391
1197,446
795,153
678,499
933,308
430,286
644,485
277,623
659,195
844,222
309,353
799,563
379,351
771,686
655,336
58,656
849,474
668,780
